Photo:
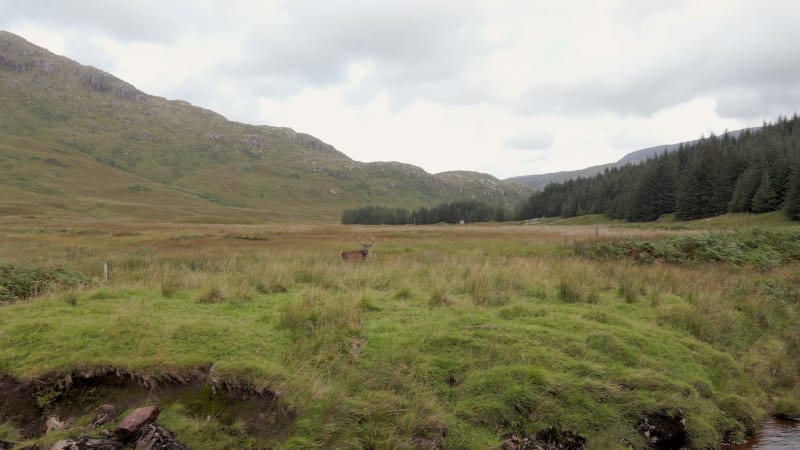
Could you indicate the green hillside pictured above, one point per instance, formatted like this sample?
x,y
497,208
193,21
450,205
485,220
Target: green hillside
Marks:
x,y
188,161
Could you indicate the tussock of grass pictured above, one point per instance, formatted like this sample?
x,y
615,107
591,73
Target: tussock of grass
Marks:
x,y
567,292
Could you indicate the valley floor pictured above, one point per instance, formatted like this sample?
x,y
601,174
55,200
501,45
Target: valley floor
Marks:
x,y
253,336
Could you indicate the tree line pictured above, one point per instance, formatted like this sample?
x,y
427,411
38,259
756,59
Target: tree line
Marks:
x,y
469,211
756,171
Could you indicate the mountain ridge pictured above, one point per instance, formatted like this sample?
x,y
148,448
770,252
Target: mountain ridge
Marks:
x,y
265,172
539,181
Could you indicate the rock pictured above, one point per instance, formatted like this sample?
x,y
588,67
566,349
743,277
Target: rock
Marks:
x,y
105,414
514,442
154,437
86,443
52,423
135,421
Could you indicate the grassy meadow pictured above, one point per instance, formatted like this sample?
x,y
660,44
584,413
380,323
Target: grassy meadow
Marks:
x,y
448,337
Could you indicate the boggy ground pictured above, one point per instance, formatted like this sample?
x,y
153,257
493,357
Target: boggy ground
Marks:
x,y
448,337
67,405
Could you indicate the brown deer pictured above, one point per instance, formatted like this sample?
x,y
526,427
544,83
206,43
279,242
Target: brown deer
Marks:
x,y
358,255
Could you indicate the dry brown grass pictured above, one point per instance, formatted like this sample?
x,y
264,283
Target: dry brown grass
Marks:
x,y
431,305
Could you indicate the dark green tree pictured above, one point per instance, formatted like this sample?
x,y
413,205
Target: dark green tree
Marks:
x,y
791,206
765,198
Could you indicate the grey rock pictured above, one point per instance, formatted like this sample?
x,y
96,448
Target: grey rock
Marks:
x,y
154,437
86,443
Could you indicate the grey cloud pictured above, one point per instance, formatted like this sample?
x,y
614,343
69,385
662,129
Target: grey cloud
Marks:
x,y
421,49
412,46
747,62
146,20
759,105
530,141
89,53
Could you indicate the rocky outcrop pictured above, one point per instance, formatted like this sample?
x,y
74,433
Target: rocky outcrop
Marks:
x,y
87,443
154,437
137,430
104,414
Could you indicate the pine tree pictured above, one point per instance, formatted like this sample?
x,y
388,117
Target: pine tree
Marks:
x,y
765,199
742,198
689,198
791,206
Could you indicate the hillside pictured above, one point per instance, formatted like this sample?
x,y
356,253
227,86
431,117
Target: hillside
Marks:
x,y
540,181
77,140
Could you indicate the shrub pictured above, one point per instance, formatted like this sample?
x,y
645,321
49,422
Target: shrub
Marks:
x,y
18,283
753,247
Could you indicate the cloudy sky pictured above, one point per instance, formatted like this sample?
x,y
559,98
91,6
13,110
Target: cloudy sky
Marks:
x,y
504,87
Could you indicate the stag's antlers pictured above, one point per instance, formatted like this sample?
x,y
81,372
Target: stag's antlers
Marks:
x,y
358,255
371,243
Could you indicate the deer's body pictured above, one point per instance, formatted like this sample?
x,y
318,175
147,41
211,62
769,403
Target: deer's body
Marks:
x,y
358,255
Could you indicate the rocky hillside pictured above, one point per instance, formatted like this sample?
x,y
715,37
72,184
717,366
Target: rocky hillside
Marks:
x,y
75,139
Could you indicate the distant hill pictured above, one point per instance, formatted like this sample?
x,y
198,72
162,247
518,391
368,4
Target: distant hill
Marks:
x,y
77,140
538,182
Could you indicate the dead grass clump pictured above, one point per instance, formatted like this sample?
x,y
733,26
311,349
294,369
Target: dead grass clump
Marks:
x,y
213,294
403,293
567,292
170,286
439,297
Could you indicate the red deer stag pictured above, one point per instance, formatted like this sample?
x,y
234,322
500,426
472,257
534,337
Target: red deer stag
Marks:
x,y
358,255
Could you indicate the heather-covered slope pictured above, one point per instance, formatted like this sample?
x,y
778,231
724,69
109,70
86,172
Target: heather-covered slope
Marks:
x,y
54,108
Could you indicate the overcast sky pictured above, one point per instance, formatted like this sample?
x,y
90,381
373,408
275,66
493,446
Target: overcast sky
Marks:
x,y
504,87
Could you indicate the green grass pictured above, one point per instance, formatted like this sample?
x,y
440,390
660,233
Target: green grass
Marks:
x,y
587,219
447,336
737,220
668,222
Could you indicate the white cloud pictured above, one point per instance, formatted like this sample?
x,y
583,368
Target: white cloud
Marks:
x,y
449,85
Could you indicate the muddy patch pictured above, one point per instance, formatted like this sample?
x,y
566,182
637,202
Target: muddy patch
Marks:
x,y
546,439
18,406
98,396
664,431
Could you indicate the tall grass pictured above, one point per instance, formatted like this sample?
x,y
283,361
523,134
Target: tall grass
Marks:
x,y
446,337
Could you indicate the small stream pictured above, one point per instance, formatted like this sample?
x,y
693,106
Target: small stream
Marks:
x,y
776,434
